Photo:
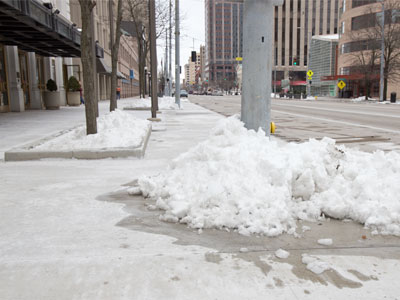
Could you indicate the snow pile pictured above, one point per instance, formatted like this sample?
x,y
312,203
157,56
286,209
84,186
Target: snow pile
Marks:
x,y
362,98
309,98
280,253
115,129
163,103
314,264
240,179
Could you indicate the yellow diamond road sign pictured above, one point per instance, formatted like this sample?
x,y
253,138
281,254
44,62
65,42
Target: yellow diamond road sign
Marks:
x,y
341,84
310,73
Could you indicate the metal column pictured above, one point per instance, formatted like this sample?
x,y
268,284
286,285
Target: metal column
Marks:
x,y
257,63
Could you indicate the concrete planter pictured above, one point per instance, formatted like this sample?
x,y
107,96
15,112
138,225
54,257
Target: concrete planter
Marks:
x,y
74,98
52,100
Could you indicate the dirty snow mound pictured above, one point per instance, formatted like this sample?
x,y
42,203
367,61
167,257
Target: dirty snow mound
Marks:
x,y
240,179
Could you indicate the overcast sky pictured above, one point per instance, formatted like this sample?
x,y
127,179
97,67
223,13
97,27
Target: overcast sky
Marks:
x,y
192,27
192,12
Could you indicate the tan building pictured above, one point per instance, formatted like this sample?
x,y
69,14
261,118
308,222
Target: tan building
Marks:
x,y
357,18
128,72
295,22
193,69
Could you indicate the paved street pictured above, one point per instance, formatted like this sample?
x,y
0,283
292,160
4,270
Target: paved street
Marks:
x,y
70,230
368,126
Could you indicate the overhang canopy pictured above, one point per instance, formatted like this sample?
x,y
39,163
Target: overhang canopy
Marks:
x,y
103,68
33,27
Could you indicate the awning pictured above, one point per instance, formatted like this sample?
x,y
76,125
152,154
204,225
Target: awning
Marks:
x,y
103,68
35,28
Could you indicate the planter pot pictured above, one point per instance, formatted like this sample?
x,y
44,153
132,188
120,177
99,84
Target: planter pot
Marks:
x,y
74,98
52,100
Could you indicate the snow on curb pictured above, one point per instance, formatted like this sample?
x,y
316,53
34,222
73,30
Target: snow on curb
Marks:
x,y
239,179
119,135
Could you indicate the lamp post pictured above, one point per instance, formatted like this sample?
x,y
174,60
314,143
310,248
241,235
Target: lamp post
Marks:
x,y
382,83
257,63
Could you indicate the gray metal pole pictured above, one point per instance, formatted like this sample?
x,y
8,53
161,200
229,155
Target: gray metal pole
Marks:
x,y
308,61
166,76
257,63
177,57
275,63
170,50
153,59
383,53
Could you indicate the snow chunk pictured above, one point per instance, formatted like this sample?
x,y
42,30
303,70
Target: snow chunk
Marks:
x,y
314,264
244,250
240,179
280,253
325,242
117,129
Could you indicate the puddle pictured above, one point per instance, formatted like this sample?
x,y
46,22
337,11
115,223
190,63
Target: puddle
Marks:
x,y
347,238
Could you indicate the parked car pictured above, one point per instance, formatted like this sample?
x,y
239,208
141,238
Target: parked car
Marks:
x,y
184,93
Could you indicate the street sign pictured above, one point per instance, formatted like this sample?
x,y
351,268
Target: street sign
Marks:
x,y
239,58
310,74
341,85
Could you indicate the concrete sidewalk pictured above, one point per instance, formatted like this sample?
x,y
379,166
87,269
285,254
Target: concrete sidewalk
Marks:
x,y
70,231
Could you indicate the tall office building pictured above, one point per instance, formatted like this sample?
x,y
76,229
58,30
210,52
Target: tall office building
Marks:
x,y
294,24
224,23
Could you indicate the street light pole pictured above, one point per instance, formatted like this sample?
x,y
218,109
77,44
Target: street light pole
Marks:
x,y
258,21
170,51
382,83
177,57
275,64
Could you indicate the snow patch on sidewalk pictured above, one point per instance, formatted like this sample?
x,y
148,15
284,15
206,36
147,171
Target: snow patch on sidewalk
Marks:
x,y
325,242
280,253
314,264
240,179
163,103
116,129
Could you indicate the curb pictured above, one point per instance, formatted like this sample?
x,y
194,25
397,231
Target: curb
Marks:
x,y
24,153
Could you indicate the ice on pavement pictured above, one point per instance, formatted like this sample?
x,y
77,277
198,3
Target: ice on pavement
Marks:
x,y
314,264
115,129
280,253
325,242
240,179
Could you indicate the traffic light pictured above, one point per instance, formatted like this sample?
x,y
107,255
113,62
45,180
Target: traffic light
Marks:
x,y
194,56
295,63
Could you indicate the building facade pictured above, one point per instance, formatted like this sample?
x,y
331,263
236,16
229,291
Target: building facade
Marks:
x,y
359,20
37,42
224,41
128,57
294,24
323,63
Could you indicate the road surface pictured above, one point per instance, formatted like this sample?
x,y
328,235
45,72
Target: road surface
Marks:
x,y
367,126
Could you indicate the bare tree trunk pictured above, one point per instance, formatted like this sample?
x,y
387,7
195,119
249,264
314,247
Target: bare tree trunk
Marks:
x,y
87,45
114,51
